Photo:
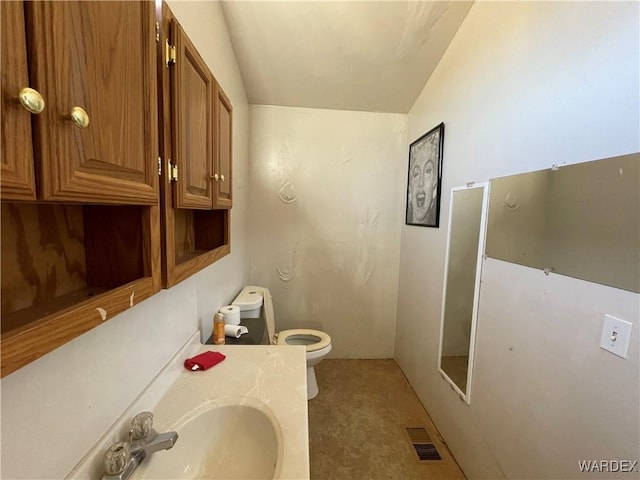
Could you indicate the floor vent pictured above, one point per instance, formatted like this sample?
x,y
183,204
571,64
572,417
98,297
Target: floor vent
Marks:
x,y
426,451
422,444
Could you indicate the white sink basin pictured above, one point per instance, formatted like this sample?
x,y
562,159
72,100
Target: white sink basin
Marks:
x,y
232,441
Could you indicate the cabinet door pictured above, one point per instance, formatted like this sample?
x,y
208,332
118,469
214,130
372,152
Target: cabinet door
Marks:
x,y
101,57
224,147
192,87
16,164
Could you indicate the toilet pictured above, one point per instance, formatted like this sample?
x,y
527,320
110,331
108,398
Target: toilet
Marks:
x,y
317,343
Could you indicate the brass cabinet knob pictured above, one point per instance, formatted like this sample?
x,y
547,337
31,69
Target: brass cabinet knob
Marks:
x,y
31,100
214,176
222,178
79,117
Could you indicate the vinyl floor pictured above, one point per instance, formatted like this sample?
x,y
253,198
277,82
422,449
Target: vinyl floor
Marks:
x,y
358,421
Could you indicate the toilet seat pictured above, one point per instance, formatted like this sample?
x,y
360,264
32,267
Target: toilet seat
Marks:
x,y
312,340
257,301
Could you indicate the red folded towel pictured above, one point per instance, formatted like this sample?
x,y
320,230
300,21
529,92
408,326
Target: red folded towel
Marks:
x,y
203,361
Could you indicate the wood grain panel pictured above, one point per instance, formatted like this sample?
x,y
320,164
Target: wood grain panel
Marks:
x,y
103,60
151,247
183,231
114,245
45,299
197,146
58,315
224,149
188,267
16,165
192,96
23,345
43,254
198,231
166,126
211,229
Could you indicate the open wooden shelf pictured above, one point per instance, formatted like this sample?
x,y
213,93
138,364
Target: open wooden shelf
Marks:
x,y
198,239
28,317
68,268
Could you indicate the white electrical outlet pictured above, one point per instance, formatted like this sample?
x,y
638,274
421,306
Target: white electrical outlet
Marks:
x,y
616,335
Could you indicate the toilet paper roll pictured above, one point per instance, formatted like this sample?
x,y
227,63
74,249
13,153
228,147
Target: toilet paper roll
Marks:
x,y
235,330
231,314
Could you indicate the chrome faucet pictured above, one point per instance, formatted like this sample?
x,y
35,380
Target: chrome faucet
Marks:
x,y
122,458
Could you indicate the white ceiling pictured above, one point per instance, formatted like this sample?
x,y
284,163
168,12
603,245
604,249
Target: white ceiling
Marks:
x,y
344,55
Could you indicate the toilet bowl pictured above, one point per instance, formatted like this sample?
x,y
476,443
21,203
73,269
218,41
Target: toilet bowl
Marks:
x,y
316,342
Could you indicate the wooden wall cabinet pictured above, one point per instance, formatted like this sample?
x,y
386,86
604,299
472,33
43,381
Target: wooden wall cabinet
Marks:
x,y
17,180
86,244
90,67
223,155
192,89
196,138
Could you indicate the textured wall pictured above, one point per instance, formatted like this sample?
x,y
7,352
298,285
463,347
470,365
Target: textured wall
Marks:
x,y
525,85
327,202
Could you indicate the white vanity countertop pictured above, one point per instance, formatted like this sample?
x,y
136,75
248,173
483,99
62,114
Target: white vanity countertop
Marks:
x,y
273,375
276,376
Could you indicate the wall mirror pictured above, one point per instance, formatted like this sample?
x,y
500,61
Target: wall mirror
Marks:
x,y
580,220
465,248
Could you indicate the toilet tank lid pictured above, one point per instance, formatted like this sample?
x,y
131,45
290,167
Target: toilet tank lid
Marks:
x,y
249,298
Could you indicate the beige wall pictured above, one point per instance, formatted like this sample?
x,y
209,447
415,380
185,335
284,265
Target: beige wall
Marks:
x,y
525,85
54,409
326,198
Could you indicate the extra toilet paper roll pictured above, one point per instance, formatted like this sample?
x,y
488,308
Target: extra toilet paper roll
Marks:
x,y
231,314
235,330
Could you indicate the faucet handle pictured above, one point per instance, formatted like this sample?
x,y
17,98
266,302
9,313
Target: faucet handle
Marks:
x,y
141,426
116,458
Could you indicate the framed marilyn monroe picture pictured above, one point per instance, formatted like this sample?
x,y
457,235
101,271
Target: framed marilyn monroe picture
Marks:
x,y
425,178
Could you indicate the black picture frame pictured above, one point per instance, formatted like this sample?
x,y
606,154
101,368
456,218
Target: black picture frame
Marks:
x,y
424,180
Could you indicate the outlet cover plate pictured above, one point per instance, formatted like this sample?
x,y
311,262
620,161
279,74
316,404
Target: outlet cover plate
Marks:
x,y
616,335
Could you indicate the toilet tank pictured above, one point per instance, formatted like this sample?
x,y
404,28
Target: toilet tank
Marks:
x,y
250,301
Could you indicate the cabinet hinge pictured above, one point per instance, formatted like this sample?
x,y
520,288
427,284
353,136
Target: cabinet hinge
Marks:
x,y
157,32
173,172
159,166
170,53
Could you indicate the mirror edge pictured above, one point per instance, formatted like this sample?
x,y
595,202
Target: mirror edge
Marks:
x,y
466,396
